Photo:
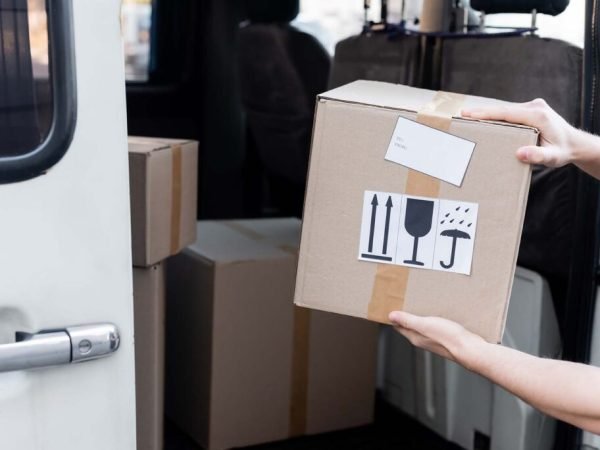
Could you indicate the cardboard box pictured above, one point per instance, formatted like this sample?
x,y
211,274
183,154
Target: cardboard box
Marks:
x,y
149,326
163,177
352,263
244,365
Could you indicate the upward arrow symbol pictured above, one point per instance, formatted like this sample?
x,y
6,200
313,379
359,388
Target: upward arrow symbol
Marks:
x,y
373,216
388,206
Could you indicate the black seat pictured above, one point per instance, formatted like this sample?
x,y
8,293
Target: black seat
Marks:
x,y
552,7
520,69
282,69
516,69
376,57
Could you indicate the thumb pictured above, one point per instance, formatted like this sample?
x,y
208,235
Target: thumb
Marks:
x,y
532,154
402,319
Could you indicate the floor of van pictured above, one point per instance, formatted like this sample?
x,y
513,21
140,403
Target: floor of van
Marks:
x,y
391,430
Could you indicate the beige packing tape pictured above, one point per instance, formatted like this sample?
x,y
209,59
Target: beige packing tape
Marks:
x,y
298,413
391,281
176,192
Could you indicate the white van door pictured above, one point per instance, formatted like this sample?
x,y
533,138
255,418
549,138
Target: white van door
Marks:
x,y
66,319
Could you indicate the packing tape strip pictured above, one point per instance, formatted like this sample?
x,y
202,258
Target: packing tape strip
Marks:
x,y
439,112
391,281
176,192
300,346
299,382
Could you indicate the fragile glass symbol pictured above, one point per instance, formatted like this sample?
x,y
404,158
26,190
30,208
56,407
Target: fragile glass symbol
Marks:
x,y
417,222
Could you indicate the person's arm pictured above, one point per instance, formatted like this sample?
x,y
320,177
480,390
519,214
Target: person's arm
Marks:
x,y
565,390
560,143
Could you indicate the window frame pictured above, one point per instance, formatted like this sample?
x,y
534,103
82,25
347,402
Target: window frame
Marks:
x,y
61,48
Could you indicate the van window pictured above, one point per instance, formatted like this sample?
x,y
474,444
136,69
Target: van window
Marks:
x,y
25,92
567,26
38,94
136,19
333,20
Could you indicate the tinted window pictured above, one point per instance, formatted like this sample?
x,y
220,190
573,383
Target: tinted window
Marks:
x,y
136,19
25,93
38,93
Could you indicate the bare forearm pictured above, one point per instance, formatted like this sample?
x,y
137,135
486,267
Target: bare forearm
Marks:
x,y
565,390
568,391
586,152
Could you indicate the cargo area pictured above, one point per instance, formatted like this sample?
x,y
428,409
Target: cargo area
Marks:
x,y
236,221
293,105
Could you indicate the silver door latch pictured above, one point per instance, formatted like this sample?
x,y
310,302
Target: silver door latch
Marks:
x,y
62,346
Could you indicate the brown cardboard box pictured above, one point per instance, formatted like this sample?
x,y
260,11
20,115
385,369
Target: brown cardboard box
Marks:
x,y
149,325
244,365
354,125
163,189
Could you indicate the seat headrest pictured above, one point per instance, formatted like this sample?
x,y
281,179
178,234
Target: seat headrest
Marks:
x,y
269,11
552,7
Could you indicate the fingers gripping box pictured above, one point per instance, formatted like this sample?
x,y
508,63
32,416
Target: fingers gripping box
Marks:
x,y
411,207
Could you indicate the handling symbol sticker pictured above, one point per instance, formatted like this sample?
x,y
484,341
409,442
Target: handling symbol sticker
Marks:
x,y
420,232
416,238
379,233
456,226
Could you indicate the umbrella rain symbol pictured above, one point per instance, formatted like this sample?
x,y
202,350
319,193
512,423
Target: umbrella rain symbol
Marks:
x,y
455,234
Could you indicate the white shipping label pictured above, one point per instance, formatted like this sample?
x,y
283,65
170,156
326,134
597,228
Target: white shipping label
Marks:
x,y
420,232
430,151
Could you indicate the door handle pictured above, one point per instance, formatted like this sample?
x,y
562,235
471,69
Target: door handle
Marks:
x,y
60,346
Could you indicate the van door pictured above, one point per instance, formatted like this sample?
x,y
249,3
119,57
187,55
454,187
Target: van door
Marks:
x,y
66,333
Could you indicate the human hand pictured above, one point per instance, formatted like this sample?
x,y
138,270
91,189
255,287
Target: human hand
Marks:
x,y
556,147
531,378
440,336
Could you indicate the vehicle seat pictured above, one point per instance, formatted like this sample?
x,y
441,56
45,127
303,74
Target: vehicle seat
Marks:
x,y
551,7
520,69
282,69
516,69
376,57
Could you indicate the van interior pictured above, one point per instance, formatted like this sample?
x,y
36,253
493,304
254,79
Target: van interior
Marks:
x,y
241,77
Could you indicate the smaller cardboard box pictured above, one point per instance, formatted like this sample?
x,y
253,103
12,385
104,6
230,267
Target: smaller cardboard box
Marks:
x,y
149,328
244,365
411,207
163,179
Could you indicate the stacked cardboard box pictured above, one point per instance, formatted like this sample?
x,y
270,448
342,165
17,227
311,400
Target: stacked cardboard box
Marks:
x,y
163,185
244,365
149,319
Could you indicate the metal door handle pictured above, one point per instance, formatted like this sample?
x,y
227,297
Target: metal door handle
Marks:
x,y
56,347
